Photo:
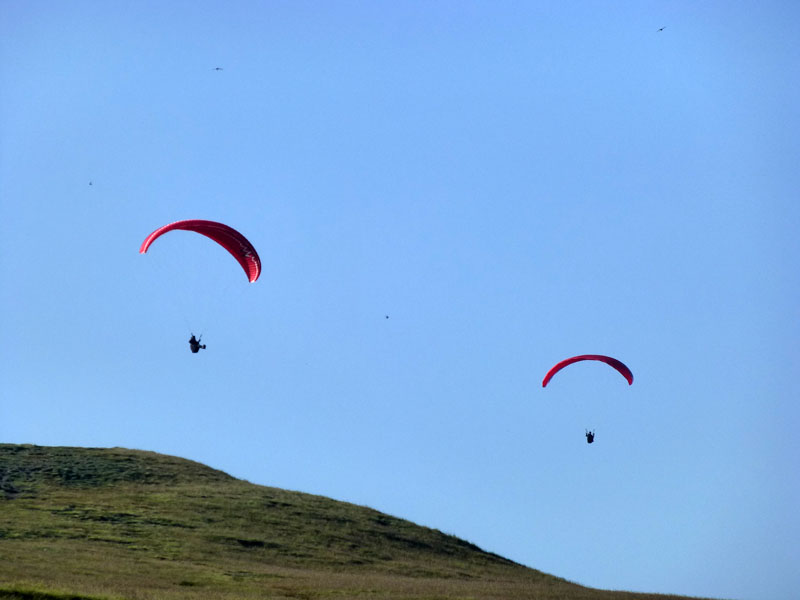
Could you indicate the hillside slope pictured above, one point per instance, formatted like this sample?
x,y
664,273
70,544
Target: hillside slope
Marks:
x,y
116,523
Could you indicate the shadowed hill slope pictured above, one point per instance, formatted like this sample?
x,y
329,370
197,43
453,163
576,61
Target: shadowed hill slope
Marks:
x,y
115,523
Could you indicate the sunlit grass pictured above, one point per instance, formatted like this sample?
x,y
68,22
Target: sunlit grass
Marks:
x,y
111,524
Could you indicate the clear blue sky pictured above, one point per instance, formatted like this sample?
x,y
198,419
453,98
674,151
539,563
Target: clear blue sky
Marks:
x,y
512,183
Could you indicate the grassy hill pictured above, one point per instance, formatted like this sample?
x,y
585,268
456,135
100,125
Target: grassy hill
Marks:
x,y
79,523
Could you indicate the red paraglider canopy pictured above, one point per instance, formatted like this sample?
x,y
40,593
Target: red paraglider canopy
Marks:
x,y
618,365
227,237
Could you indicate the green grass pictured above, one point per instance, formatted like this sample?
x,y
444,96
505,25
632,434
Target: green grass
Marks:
x,y
114,523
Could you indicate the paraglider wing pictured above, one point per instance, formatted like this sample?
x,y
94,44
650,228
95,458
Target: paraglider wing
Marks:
x,y
227,237
618,365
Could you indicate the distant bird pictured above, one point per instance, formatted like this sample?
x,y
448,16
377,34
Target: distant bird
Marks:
x,y
662,28
218,68
90,183
387,316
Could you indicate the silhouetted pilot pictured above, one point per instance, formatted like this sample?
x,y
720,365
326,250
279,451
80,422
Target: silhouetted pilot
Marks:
x,y
195,345
589,434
